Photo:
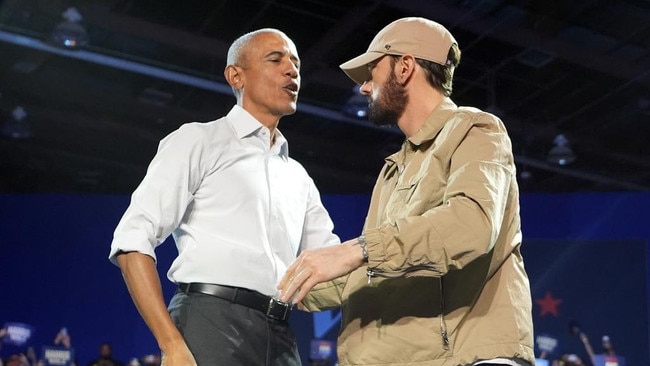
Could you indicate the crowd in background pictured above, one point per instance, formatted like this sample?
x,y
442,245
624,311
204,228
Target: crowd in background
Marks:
x,y
26,356
572,359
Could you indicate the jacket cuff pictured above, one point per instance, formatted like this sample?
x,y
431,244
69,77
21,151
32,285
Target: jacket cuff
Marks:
x,y
375,249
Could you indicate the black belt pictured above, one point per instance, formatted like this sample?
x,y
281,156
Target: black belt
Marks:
x,y
273,308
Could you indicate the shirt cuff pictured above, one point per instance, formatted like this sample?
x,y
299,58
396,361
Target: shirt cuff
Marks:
x,y
130,244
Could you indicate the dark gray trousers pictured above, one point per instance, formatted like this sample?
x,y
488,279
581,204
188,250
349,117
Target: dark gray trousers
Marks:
x,y
219,332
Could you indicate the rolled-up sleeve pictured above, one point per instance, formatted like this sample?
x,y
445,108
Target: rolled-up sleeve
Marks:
x,y
160,201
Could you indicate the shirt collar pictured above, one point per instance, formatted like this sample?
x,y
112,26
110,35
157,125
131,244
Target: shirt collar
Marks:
x,y
245,125
282,142
243,122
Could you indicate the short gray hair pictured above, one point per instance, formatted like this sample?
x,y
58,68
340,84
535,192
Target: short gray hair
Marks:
x,y
235,50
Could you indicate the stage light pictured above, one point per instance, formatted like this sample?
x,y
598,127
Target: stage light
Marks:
x,y
70,33
561,153
16,126
357,105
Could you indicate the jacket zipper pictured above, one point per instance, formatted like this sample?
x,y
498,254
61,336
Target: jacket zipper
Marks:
x,y
375,273
443,325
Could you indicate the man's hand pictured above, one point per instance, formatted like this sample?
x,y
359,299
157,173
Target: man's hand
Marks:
x,y
181,356
319,265
143,282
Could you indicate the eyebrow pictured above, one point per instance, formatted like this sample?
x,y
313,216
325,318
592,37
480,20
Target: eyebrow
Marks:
x,y
281,54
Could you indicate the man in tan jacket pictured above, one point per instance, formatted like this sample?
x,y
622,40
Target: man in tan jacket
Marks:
x,y
437,277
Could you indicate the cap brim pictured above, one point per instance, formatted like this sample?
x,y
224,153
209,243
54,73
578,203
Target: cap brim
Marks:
x,y
357,68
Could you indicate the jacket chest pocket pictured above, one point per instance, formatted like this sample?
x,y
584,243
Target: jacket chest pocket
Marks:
x,y
402,198
404,192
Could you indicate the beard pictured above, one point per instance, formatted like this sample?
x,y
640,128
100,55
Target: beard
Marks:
x,y
390,105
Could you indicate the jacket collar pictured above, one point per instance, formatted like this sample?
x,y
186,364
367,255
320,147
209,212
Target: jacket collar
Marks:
x,y
430,129
434,123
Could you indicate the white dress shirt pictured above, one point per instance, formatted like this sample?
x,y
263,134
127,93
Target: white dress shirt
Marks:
x,y
238,209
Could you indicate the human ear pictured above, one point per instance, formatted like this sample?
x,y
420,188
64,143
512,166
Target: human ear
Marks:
x,y
405,68
233,76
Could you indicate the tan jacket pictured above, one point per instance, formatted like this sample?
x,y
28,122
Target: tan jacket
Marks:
x,y
445,282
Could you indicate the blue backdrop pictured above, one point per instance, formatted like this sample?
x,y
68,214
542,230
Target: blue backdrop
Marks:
x,y
586,255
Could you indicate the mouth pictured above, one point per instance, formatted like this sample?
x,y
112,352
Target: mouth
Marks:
x,y
292,89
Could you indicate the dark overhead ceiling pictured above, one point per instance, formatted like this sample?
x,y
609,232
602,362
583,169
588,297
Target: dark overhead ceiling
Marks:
x,y
577,68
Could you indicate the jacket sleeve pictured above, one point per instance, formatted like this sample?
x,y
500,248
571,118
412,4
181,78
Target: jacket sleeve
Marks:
x,y
466,224
324,296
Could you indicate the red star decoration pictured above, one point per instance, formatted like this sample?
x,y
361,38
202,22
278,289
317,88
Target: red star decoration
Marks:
x,y
548,304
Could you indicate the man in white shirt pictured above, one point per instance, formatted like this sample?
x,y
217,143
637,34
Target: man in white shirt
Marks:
x,y
239,210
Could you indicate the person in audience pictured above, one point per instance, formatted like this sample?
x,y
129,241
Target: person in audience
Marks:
x,y
151,360
64,340
3,333
105,357
18,360
608,346
570,359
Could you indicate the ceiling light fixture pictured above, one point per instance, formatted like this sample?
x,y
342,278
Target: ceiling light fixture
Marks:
x,y
535,58
16,126
69,33
561,153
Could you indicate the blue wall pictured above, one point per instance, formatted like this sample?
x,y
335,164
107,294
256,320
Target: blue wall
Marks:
x,y
54,271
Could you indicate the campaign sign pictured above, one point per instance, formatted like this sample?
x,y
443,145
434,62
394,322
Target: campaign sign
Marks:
x,y
541,362
546,344
17,333
603,360
321,349
58,356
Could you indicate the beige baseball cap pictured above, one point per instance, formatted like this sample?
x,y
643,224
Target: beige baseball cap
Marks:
x,y
420,37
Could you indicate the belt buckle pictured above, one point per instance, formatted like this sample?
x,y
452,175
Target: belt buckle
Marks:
x,y
273,304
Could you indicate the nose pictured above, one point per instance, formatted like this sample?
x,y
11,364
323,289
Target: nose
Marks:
x,y
365,88
293,71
